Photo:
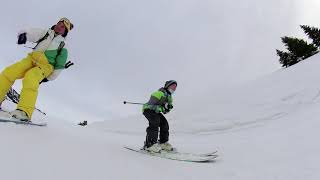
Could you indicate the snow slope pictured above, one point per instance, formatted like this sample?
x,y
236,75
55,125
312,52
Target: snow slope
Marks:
x,y
266,129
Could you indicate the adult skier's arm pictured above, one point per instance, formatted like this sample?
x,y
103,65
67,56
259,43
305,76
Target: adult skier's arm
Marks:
x,y
33,35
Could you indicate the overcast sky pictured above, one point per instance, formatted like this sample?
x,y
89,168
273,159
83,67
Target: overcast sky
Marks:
x,y
124,50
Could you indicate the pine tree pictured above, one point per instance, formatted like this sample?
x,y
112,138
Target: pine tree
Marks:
x,y
313,33
299,47
286,59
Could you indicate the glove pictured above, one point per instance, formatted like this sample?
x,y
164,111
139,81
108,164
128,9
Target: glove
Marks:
x,y
68,64
44,80
22,38
167,107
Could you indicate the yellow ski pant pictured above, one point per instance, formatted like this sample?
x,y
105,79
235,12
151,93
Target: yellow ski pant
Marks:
x,y
32,69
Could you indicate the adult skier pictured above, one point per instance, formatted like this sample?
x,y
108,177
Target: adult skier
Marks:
x,y
160,103
43,64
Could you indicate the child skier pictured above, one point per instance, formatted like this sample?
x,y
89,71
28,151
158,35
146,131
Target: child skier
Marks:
x,y
44,63
160,102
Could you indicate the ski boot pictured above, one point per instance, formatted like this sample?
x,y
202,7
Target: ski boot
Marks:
x,y
166,146
152,147
20,115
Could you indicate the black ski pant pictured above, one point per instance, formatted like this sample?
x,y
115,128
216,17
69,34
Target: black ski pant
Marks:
x,y
156,121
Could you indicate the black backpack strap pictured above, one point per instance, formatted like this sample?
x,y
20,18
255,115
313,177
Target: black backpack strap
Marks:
x,y
41,39
61,45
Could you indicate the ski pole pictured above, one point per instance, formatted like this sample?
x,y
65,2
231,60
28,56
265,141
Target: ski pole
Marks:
x,y
28,47
40,111
34,108
125,102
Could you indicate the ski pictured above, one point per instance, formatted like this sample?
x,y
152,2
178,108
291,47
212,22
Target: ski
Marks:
x,y
174,155
5,117
18,121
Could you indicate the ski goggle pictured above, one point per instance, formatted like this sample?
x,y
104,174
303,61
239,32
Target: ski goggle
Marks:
x,y
67,23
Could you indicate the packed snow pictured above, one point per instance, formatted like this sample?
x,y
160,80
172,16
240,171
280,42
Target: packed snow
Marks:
x,y
265,129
